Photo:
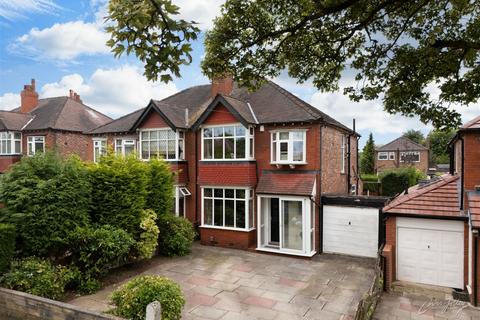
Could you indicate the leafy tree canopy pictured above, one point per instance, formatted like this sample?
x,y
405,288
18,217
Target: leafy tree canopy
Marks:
x,y
415,135
438,141
397,49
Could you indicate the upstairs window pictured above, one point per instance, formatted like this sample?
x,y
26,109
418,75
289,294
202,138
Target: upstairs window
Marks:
x,y
227,143
99,149
35,144
288,147
124,146
10,143
412,156
163,143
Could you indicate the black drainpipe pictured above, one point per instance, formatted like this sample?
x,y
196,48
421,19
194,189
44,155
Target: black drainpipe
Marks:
x,y
452,159
196,180
475,271
356,168
462,182
349,162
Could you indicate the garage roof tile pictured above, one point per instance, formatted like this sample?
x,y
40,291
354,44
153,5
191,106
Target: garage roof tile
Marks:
x,y
296,184
439,198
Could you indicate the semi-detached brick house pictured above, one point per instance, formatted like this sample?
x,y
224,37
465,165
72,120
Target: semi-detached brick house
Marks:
x,y
56,123
251,165
401,152
432,231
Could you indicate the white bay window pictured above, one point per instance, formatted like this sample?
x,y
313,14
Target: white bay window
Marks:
x,y
288,147
164,143
232,142
228,208
10,143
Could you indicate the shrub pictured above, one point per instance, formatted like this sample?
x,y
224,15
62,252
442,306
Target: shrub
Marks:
x,y
176,235
7,246
133,297
396,180
148,241
38,277
160,187
95,251
119,193
46,198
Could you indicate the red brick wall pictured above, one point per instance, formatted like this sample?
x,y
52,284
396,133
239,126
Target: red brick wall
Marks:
x,y
7,161
73,143
228,238
472,160
227,174
153,120
382,165
220,115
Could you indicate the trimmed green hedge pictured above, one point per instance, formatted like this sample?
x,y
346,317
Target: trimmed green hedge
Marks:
x,y
396,181
132,298
7,246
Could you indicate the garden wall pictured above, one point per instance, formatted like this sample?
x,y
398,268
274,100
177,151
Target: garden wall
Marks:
x,y
17,305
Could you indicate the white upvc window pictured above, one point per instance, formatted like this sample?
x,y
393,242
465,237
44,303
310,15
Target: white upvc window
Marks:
x,y
164,143
288,147
391,156
99,148
343,153
227,208
124,146
35,144
227,142
410,156
181,193
383,155
10,143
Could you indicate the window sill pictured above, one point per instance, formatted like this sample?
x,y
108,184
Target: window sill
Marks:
x,y
288,163
226,160
226,228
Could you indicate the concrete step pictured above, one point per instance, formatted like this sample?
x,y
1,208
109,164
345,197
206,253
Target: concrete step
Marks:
x,y
434,292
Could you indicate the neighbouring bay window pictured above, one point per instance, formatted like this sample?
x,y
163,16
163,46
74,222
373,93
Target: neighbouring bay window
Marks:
x,y
35,144
99,149
124,146
180,202
10,143
164,143
288,147
411,156
227,143
229,208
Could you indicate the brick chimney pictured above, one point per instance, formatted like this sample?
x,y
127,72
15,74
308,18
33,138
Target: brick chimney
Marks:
x,y
222,85
74,96
28,97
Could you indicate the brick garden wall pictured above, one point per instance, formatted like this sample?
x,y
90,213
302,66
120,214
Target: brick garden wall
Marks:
x,y
15,305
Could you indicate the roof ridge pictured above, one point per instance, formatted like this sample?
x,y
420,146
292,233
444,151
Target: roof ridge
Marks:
x,y
181,91
418,144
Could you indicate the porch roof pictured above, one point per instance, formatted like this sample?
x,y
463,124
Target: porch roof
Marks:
x,y
293,184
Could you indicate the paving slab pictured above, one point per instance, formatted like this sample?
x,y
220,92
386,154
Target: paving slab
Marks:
x,y
225,284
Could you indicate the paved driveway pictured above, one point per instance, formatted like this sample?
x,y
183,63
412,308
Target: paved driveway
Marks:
x,y
398,306
232,284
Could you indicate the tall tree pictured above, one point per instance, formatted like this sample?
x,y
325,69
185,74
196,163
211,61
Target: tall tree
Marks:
x,y
437,141
397,49
367,161
415,135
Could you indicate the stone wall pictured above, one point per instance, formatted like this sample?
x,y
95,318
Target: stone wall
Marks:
x,y
15,305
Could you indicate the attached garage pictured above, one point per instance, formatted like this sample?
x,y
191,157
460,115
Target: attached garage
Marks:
x,y
351,225
430,251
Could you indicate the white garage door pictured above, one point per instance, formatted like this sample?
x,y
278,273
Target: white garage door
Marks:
x,y
430,251
350,230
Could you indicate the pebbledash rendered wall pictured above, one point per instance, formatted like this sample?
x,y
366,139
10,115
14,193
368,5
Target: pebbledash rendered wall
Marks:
x,y
16,305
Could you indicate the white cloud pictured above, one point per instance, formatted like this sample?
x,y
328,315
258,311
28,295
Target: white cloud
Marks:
x,y
15,9
9,101
114,92
201,11
62,41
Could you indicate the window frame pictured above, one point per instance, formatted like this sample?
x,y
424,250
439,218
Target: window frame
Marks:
x,y
410,152
181,196
179,142
31,144
391,156
277,141
249,140
343,153
382,153
10,141
132,142
249,206
102,150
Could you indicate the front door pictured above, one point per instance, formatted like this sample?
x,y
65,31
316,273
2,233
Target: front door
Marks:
x,y
274,221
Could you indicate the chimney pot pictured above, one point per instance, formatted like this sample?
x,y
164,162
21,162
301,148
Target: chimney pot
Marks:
x,y
28,97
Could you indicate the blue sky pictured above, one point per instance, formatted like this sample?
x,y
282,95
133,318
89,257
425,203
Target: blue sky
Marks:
x,y
62,45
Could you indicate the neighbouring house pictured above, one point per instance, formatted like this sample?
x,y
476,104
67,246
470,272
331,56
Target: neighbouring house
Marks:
x,y
432,230
251,166
56,123
401,152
